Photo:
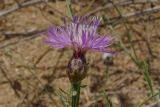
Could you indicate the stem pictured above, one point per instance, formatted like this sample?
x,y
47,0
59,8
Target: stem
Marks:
x,y
75,94
69,9
147,99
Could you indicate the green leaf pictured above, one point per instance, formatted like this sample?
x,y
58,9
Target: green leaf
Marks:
x,y
147,76
69,9
107,99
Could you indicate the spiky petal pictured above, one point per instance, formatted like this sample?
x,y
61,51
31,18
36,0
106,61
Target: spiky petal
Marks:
x,y
79,36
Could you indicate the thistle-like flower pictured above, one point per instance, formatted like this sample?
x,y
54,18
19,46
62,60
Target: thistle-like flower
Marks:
x,y
80,37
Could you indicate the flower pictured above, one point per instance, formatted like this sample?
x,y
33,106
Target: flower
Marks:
x,y
81,37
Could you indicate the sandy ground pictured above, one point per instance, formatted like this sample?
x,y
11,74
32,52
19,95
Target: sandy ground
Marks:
x,y
32,73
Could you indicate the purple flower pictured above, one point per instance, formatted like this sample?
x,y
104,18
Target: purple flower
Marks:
x,y
79,36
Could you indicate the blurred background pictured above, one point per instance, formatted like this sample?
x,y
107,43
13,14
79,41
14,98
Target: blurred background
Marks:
x,y
32,74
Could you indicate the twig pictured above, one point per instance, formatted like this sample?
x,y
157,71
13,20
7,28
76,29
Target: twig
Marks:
x,y
132,91
153,105
123,18
54,9
9,35
19,6
10,82
28,35
110,93
42,56
146,100
122,3
143,12
22,100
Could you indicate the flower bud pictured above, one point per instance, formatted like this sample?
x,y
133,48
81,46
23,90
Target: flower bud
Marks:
x,y
108,58
77,68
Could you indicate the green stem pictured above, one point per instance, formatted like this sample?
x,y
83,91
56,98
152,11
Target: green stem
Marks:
x,y
147,99
69,8
75,94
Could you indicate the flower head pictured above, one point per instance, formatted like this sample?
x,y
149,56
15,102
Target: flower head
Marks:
x,y
79,36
